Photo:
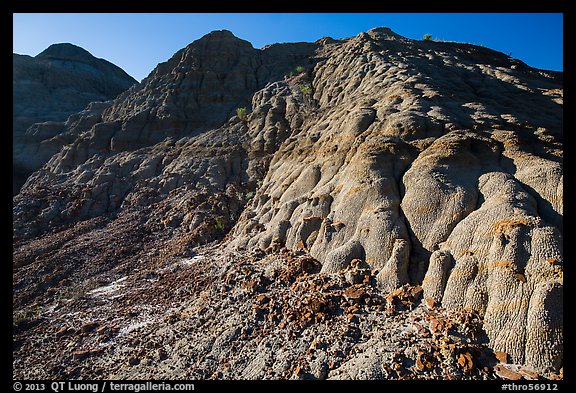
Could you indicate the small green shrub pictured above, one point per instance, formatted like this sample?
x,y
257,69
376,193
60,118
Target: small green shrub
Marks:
x,y
219,224
305,89
427,37
24,317
299,69
241,112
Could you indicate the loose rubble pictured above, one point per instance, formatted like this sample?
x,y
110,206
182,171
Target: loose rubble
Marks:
x,y
256,315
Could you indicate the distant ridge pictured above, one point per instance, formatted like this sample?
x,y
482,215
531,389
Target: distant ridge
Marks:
x,y
61,80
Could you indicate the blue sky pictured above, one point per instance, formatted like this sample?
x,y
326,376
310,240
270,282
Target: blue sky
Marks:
x,y
138,42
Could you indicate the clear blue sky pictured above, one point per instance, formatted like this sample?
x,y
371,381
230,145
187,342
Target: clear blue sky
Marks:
x,y
138,42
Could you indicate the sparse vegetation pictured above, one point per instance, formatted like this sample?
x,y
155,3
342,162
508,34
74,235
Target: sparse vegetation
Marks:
x,y
219,224
25,317
428,37
299,69
305,89
242,113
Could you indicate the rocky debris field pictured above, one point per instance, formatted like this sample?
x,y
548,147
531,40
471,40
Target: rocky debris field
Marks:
x,y
253,315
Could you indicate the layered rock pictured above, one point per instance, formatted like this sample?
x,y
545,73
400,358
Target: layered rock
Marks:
x,y
157,137
507,264
407,141
422,162
58,82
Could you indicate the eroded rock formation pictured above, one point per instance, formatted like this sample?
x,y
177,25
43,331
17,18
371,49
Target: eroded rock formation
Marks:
x,y
60,81
421,162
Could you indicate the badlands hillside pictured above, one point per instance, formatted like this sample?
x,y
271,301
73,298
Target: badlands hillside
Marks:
x,y
374,207
48,88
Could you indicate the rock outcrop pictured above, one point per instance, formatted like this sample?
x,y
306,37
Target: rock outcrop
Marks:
x,y
176,131
58,82
390,161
